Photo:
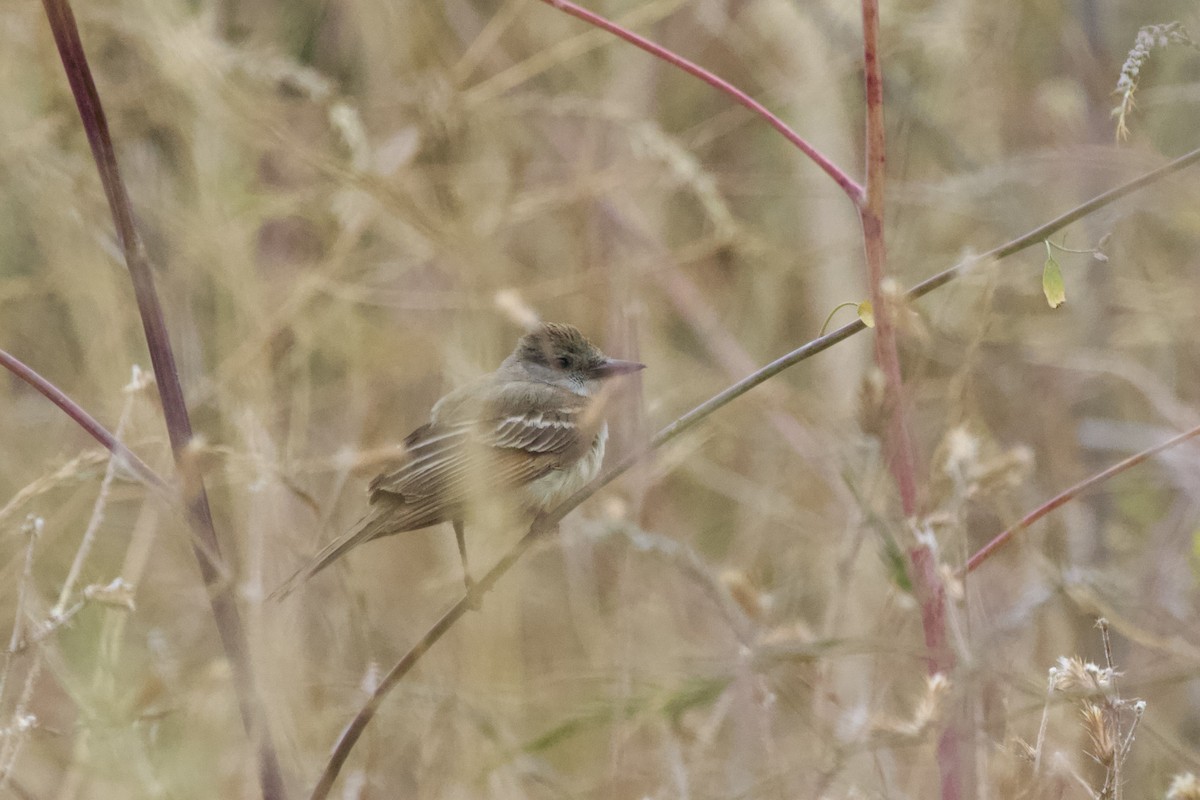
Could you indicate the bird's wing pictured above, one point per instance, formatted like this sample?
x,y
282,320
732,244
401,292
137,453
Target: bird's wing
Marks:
x,y
504,435
514,434
428,452
537,430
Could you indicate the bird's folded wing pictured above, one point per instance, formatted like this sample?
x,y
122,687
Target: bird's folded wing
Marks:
x,y
512,440
538,431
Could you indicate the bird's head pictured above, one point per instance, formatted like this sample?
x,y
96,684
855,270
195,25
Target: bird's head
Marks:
x,y
559,353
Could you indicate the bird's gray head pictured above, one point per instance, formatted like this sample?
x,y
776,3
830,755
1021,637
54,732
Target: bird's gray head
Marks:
x,y
558,353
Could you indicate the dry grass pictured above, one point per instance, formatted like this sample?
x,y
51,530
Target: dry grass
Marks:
x,y
351,205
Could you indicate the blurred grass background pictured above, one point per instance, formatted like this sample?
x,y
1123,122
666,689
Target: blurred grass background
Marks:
x,y
351,204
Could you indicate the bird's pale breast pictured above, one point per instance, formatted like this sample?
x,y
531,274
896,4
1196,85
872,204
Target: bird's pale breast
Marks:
x,y
551,489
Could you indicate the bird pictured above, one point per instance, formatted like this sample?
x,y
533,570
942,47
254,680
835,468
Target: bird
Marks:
x,y
523,438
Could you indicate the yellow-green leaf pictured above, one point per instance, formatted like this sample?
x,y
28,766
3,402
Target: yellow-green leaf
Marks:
x,y
1052,283
866,313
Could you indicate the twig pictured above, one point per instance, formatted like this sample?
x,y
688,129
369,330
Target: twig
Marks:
x,y
89,534
179,427
32,528
1106,641
848,185
1067,495
21,721
1041,232
1139,709
129,459
1041,737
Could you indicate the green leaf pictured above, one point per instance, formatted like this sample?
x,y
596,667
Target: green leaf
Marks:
x,y
866,313
897,565
1052,282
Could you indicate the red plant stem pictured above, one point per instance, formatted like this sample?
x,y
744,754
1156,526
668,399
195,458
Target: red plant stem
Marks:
x,y
932,595
179,427
900,451
927,583
1070,494
848,185
85,420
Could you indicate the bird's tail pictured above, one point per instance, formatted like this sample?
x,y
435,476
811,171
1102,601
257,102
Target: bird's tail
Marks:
x,y
365,530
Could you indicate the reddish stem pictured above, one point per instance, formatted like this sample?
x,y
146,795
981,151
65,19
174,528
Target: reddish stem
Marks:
x,y
85,420
852,189
928,587
887,357
1070,494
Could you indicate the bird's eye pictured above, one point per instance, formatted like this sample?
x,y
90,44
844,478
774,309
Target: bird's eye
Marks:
x,y
564,362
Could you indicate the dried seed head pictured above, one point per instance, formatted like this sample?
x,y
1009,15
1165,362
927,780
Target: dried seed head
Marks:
x,y
1104,746
1149,38
924,715
1074,676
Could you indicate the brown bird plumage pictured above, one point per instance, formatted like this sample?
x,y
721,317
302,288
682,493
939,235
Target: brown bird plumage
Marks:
x,y
529,433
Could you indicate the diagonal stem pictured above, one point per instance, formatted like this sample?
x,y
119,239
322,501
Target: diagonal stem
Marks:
x,y
1067,495
847,184
123,455
86,421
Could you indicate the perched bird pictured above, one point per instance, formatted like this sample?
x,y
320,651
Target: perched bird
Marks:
x,y
521,439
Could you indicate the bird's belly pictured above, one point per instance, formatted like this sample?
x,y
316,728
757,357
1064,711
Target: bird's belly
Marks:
x,y
552,488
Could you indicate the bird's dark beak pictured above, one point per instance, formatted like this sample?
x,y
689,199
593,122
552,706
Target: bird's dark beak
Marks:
x,y
615,366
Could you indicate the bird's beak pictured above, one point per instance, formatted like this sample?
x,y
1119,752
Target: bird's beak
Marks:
x,y
615,366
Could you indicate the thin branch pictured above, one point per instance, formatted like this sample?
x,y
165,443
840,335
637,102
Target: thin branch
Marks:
x,y
129,459
1055,225
1067,495
848,185
33,530
93,526
22,722
121,453
352,732
179,428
